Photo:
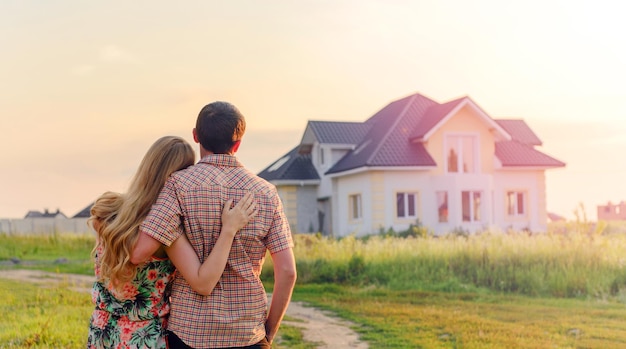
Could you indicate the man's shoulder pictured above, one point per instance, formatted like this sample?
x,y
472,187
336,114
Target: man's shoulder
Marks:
x,y
202,173
257,183
188,176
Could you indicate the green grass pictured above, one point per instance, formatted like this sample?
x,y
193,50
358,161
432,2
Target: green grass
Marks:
x,y
46,247
413,319
62,253
44,317
290,337
36,317
562,289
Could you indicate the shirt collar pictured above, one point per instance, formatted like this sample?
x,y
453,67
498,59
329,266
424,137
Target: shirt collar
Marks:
x,y
222,160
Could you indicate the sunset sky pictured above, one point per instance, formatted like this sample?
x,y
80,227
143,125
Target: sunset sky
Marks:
x,y
87,86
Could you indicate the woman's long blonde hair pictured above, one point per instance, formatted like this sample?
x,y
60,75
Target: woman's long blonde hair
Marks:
x,y
104,210
119,232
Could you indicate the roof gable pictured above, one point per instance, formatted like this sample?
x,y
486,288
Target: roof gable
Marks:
x,y
437,115
433,116
291,166
387,141
85,212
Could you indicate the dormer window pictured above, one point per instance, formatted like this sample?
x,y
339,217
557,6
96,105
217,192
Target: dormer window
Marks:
x,y
460,152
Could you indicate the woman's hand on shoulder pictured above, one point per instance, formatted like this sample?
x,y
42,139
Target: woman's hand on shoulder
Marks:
x,y
235,218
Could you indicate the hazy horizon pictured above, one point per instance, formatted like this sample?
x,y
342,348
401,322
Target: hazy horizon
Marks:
x,y
87,86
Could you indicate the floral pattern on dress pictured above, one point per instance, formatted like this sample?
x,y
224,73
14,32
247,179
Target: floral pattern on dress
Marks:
x,y
134,316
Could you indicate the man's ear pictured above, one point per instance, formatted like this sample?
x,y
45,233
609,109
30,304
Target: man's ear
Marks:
x,y
236,146
195,135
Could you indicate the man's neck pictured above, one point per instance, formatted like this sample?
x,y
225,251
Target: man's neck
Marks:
x,y
204,152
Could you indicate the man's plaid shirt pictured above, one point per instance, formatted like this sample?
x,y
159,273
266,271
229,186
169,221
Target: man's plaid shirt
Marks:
x,y
191,203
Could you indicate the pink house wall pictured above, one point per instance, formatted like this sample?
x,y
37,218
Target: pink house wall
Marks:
x,y
612,212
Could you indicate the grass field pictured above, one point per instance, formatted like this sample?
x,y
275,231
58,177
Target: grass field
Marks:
x,y
36,317
413,319
563,289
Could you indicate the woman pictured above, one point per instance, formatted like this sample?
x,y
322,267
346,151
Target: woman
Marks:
x,y
132,301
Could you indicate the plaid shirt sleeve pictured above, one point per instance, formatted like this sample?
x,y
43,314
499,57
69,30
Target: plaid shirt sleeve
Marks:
x,y
279,236
164,222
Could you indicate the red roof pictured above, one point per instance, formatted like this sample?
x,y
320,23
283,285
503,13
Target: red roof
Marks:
x,y
519,130
516,154
394,136
433,116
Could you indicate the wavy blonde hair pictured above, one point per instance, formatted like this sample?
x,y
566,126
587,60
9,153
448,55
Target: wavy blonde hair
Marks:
x,y
121,231
104,210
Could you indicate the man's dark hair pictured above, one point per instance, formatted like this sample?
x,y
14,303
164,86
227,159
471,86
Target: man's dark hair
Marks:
x,y
219,126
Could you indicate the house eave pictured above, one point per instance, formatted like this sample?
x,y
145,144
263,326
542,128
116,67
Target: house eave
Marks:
x,y
526,168
378,168
297,182
339,146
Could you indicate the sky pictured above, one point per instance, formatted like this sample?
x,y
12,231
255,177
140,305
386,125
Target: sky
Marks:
x,y
87,86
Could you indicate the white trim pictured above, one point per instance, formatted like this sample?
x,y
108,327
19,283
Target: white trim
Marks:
x,y
378,168
405,202
524,168
513,205
295,182
476,161
338,146
467,101
356,205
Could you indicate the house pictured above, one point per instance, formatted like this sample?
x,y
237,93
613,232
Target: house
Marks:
x,y
85,212
447,165
612,212
45,214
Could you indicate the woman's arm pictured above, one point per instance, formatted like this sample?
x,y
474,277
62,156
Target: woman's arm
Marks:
x,y
203,277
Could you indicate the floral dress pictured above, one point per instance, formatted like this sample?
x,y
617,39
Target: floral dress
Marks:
x,y
136,315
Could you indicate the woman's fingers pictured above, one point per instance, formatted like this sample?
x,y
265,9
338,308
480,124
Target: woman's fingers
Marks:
x,y
245,201
245,209
227,206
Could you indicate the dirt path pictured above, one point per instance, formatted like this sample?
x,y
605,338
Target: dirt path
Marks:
x,y
317,326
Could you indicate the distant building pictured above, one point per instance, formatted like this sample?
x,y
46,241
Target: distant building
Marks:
x,y
612,212
85,212
45,214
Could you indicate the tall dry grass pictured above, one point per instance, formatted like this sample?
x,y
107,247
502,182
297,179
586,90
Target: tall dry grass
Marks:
x,y
578,259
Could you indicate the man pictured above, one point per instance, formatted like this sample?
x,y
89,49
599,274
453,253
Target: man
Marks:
x,y
235,314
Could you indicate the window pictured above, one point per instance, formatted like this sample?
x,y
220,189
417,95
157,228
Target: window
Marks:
x,y
321,156
355,206
515,203
460,154
470,206
442,206
406,204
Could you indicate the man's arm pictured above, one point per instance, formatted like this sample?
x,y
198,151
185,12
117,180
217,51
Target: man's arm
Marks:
x,y
145,247
284,281
161,226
